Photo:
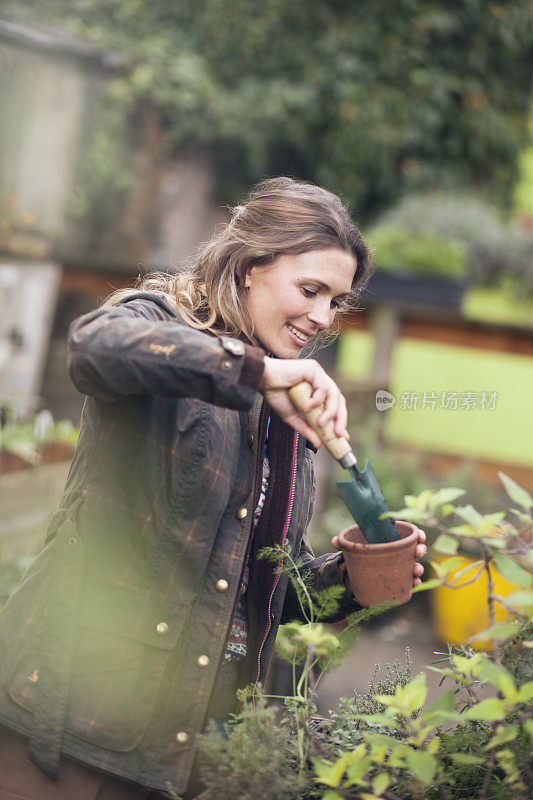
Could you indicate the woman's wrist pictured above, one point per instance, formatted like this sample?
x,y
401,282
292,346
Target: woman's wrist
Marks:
x,y
265,374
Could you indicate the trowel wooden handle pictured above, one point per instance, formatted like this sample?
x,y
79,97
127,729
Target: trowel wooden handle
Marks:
x,y
337,446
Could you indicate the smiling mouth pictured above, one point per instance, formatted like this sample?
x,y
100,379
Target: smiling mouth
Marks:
x,y
300,335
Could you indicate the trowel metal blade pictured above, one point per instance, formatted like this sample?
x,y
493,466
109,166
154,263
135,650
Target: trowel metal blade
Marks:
x,y
365,500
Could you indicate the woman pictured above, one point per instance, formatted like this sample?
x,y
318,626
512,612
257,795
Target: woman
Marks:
x,y
148,607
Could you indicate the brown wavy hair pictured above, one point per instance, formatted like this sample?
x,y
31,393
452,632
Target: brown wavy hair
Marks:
x,y
282,216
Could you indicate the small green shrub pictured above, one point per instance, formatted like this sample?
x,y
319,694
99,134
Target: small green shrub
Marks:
x,y
398,249
496,249
256,761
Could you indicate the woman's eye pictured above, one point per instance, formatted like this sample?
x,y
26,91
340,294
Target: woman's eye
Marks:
x,y
335,304
308,292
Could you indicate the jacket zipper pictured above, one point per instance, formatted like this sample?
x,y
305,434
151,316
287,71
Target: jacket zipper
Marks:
x,y
278,568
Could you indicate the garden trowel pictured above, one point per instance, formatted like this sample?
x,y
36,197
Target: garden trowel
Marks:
x,y
362,493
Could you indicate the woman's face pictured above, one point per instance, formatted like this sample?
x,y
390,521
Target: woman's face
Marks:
x,y
295,297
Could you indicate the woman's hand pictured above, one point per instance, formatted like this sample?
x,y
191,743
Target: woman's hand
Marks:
x,y
280,374
420,552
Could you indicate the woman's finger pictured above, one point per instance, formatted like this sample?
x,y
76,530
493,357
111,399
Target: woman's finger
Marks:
x,y
342,417
317,399
331,405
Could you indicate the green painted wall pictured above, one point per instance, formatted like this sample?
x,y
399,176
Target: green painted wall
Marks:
x,y
355,354
503,433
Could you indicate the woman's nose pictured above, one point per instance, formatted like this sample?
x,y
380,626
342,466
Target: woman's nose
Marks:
x,y
321,315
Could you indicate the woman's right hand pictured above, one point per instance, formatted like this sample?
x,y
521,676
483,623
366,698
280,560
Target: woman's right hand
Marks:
x,y
280,374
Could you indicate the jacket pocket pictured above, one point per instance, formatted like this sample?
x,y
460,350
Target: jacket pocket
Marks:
x,y
123,643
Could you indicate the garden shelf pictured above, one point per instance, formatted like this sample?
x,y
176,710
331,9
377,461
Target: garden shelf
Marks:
x,y
408,290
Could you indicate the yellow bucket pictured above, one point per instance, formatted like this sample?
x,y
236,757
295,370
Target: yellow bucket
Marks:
x,y
458,614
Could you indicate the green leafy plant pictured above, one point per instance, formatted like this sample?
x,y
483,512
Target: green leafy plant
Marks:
x,y
388,742
399,250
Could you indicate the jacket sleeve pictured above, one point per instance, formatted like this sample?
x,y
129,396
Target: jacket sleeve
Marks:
x,y
138,348
321,572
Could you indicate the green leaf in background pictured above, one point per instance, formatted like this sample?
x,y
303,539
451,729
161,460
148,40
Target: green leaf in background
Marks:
x,y
500,631
380,740
511,570
467,665
329,773
521,599
413,695
444,568
516,493
443,703
466,759
488,710
467,571
504,733
445,495
525,693
490,520
423,765
380,783
470,515
465,530
432,583
356,772
522,516
447,545
498,677
494,543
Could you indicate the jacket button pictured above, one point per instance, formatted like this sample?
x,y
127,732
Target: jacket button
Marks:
x,y
182,737
222,585
226,365
203,661
242,513
250,439
162,629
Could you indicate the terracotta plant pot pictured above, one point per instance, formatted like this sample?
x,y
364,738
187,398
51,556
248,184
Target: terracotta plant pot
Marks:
x,y
380,572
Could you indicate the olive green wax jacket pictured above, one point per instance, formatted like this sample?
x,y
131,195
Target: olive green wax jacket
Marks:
x,y
110,645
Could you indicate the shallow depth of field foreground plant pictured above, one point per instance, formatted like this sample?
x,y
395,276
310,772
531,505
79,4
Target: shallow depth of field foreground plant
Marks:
x,y
474,741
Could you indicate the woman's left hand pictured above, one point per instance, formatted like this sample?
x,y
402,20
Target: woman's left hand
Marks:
x,y
420,552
